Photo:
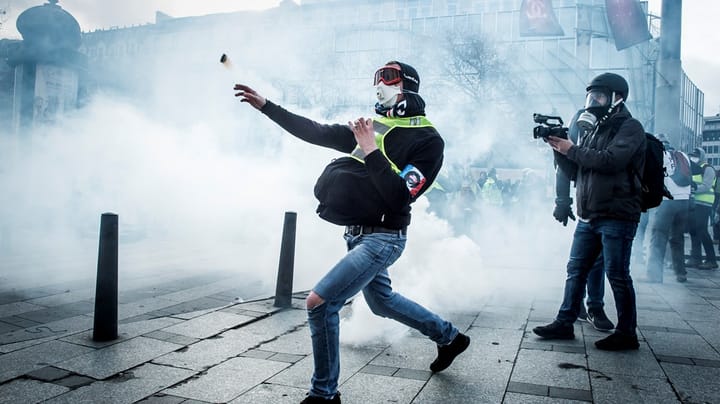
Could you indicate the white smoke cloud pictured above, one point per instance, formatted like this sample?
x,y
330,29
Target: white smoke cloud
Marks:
x,y
181,190
506,260
201,182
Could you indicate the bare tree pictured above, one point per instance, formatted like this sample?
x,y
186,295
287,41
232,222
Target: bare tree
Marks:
x,y
476,64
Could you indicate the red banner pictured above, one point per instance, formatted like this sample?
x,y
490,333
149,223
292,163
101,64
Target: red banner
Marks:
x,y
537,18
628,23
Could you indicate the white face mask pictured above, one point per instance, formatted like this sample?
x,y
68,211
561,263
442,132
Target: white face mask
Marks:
x,y
387,95
695,159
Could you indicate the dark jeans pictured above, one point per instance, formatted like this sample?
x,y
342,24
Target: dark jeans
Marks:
x,y
667,223
699,234
613,239
596,286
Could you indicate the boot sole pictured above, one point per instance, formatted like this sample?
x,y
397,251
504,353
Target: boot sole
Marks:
x,y
601,329
546,336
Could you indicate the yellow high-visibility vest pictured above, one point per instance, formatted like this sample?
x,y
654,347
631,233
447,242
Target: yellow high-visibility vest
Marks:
x,y
707,197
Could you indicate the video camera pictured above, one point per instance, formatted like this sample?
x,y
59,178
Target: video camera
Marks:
x,y
552,128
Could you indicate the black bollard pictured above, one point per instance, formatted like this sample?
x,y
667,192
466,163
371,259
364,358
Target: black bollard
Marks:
x,y
283,288
106,287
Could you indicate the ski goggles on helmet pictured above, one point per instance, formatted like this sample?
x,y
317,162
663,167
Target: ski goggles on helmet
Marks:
x,y
387,74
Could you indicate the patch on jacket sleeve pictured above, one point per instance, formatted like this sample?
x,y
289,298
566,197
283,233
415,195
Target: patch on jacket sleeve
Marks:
x,y
414,179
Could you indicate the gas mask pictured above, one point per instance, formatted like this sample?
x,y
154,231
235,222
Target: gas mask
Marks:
x,y
598,107
387,95
586,121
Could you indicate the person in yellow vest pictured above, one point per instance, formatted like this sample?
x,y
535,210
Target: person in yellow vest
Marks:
x,y
392,160
703,198
490,192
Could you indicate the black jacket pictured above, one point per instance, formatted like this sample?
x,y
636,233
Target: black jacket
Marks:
x,y
605,166
353,193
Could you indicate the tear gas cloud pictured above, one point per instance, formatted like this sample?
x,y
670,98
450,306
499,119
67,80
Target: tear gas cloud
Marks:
x,y
201,181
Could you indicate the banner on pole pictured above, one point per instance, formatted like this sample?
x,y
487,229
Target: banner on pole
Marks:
x,y
537,18
628,23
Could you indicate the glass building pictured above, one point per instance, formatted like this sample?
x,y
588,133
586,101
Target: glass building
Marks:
x,y
711,140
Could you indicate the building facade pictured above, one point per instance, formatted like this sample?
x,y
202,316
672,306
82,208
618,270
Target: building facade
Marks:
x,y
711,140
348,38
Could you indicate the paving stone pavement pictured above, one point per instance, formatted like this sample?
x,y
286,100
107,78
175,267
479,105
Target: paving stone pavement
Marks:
x,y
193,341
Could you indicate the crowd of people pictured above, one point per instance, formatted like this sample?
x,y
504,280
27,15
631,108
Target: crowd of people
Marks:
x,y
467,194
693,210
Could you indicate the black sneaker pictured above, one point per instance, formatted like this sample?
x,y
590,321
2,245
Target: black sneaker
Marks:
x,y
681,278
692,263
447,353
708,265
599,320
583,313
555,330
618,342
319,400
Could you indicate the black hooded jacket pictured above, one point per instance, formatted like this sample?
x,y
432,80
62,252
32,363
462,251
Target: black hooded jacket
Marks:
x,y
604,167
371,193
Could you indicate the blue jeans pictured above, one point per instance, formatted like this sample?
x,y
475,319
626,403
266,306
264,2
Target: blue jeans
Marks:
x,y
668,223
612,239
364,268
596,286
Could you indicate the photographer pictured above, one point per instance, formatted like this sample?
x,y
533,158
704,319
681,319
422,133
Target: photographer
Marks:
x,y
595,314
603,163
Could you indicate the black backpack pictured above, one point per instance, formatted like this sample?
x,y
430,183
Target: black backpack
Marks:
x,y
653,176
682,176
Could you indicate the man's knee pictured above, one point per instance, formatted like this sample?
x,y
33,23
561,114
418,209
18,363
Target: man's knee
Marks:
x,y
313,300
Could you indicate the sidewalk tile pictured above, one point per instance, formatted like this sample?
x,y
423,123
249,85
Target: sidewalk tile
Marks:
x,y
128,388
208,325
226,381
557,369
675,344
29,391
694,384
36,357
625,388
628,363
105,362
363,388
272,393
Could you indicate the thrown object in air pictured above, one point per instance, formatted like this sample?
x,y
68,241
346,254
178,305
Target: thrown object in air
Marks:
x,y
225,60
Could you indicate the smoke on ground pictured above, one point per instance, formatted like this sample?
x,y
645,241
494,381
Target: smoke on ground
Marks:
x,y
201,182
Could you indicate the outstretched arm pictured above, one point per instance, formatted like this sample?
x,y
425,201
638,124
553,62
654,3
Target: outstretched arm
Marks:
x,y
338,137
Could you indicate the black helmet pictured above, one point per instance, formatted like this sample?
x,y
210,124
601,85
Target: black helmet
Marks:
x,y
610,81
